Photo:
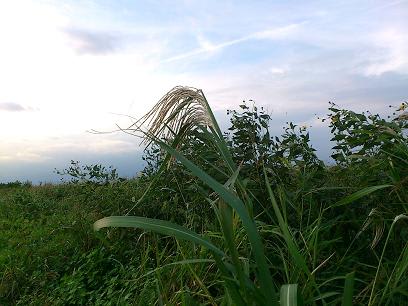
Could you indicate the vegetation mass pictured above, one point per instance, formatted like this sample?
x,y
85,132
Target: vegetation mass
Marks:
x,y
239,218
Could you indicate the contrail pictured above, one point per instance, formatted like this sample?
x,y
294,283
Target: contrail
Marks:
x,y
275,33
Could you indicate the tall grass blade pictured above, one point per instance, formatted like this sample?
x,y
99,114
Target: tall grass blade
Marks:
x,y
348,290
359,194
265,279
289,295
399,271
293,249
158,226
396,219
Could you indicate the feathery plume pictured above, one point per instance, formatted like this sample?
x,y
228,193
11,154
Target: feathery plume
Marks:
x,y
179,112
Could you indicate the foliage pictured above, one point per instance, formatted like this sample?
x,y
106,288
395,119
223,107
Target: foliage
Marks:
x,y
361,135
252,206
250,138
251,141
15,184
97,173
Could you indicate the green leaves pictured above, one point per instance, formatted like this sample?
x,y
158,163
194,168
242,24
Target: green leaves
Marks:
x,y
158,226
266,293
236,203
302,229
363,134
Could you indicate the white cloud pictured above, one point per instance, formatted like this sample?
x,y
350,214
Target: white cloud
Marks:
x,y
277,33
78,62
85,41
391,55
277,70
73,93
39,149
11,107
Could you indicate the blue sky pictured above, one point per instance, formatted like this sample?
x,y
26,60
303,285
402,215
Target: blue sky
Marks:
x,y
71,66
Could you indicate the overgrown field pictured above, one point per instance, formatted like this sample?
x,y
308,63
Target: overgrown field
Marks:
x,y
251,218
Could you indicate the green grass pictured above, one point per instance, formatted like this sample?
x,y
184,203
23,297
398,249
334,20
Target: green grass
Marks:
x,y
246,220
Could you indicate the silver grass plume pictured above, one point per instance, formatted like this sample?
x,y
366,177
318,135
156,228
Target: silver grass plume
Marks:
x,y
178,113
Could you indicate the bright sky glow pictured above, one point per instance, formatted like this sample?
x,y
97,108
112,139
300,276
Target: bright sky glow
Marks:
x,y
68,66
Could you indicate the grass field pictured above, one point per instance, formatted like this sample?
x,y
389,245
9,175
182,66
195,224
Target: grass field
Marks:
x,y
240,219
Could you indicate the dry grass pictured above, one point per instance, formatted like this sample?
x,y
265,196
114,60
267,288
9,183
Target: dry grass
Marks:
x,y
179,112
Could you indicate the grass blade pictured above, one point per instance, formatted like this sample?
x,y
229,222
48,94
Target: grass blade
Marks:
x,y
293,249
289,295
158,226
359,194
348,290
265,279
396,219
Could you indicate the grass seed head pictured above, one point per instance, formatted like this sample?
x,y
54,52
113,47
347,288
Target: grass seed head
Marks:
x,y
178,113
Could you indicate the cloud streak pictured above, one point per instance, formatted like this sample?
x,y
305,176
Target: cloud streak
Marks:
x,y
85,41
207,47
12,107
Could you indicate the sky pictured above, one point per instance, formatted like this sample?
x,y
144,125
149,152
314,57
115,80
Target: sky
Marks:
x,y
67,67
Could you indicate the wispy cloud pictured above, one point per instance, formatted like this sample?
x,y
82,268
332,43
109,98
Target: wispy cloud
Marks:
x,y
12,107
393,53
207,47
85,41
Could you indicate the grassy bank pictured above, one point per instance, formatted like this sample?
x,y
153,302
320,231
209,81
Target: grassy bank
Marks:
x,y
263,221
